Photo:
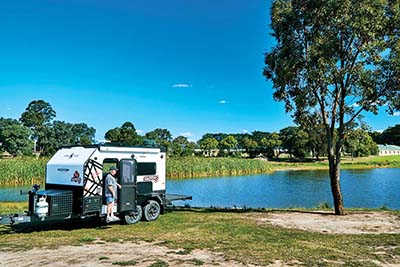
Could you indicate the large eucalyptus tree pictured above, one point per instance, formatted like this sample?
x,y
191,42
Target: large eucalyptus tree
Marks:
x,y
335,59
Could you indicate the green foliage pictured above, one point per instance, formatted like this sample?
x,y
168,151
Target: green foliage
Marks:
x,y
13,207
250,146
163,137
128,135
83,134
37,114
208,144
181,146
47,142
37,117
317,138
125,263
87,239
159,263
295,141
14,138
360,144
258,136
391,136
182,252
271,144
228,143
125,135
324,206
217,136
61,133
384,207
49,136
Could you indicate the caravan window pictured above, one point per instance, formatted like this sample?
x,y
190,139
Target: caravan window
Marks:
x,y
146,168
127,172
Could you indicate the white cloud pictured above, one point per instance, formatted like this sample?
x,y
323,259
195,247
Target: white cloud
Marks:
x,y
103,141
181,85
245,131
396,114
222,102
139,131
187,134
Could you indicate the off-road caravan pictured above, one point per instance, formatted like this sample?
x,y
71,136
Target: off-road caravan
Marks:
x,y
75,184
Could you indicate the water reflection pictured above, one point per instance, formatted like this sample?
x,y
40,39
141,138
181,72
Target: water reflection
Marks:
x,y
12,194
372,188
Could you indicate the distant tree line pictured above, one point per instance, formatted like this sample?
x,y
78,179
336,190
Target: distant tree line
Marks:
x,y
37,131
390,136
295,141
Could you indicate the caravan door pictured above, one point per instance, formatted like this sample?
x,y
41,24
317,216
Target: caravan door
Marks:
x,y
127,196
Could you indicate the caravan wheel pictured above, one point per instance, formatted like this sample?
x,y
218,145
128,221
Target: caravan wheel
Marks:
x,y
152,210
133,216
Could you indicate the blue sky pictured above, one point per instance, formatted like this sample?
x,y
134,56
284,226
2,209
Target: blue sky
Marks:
x,y
191,66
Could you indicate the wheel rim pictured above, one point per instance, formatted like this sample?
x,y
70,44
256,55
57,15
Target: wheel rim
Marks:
x,y
134,216
152,211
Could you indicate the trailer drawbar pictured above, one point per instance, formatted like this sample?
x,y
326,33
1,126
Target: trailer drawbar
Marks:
x,y
75,185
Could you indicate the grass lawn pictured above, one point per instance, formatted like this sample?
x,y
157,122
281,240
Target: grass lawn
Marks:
x,y
346,163
231,233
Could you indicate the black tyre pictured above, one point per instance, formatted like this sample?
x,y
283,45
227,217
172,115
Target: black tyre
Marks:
x,y
133,217
151,211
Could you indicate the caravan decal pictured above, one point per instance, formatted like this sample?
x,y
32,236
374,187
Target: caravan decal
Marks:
x,y
151,178
93,183
76,178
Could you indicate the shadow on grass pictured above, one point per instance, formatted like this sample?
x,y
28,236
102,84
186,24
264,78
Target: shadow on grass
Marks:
x,y
101,225
69,225
248,210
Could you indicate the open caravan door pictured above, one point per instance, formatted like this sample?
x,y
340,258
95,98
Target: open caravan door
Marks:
x,y
127,194
128,208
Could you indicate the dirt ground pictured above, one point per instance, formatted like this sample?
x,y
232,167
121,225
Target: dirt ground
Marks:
x,y
325,222
145,254
142,254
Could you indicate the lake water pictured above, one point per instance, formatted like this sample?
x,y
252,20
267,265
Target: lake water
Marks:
x,y
369,188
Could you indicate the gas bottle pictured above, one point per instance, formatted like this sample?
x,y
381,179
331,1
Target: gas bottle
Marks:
x,y
42,208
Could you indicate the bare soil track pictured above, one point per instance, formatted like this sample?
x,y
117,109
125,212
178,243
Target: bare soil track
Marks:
x,y
326,222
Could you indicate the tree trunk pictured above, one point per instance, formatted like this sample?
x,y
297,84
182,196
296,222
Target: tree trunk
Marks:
x,y
334,174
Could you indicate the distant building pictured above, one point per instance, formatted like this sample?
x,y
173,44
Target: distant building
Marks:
x,y
388,150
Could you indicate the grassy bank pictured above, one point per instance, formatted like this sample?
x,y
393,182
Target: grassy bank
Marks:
x,y
236,235
191,167
22,171
346,163
27,171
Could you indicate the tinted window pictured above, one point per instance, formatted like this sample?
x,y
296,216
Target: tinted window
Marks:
x,y
146,168
127,171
